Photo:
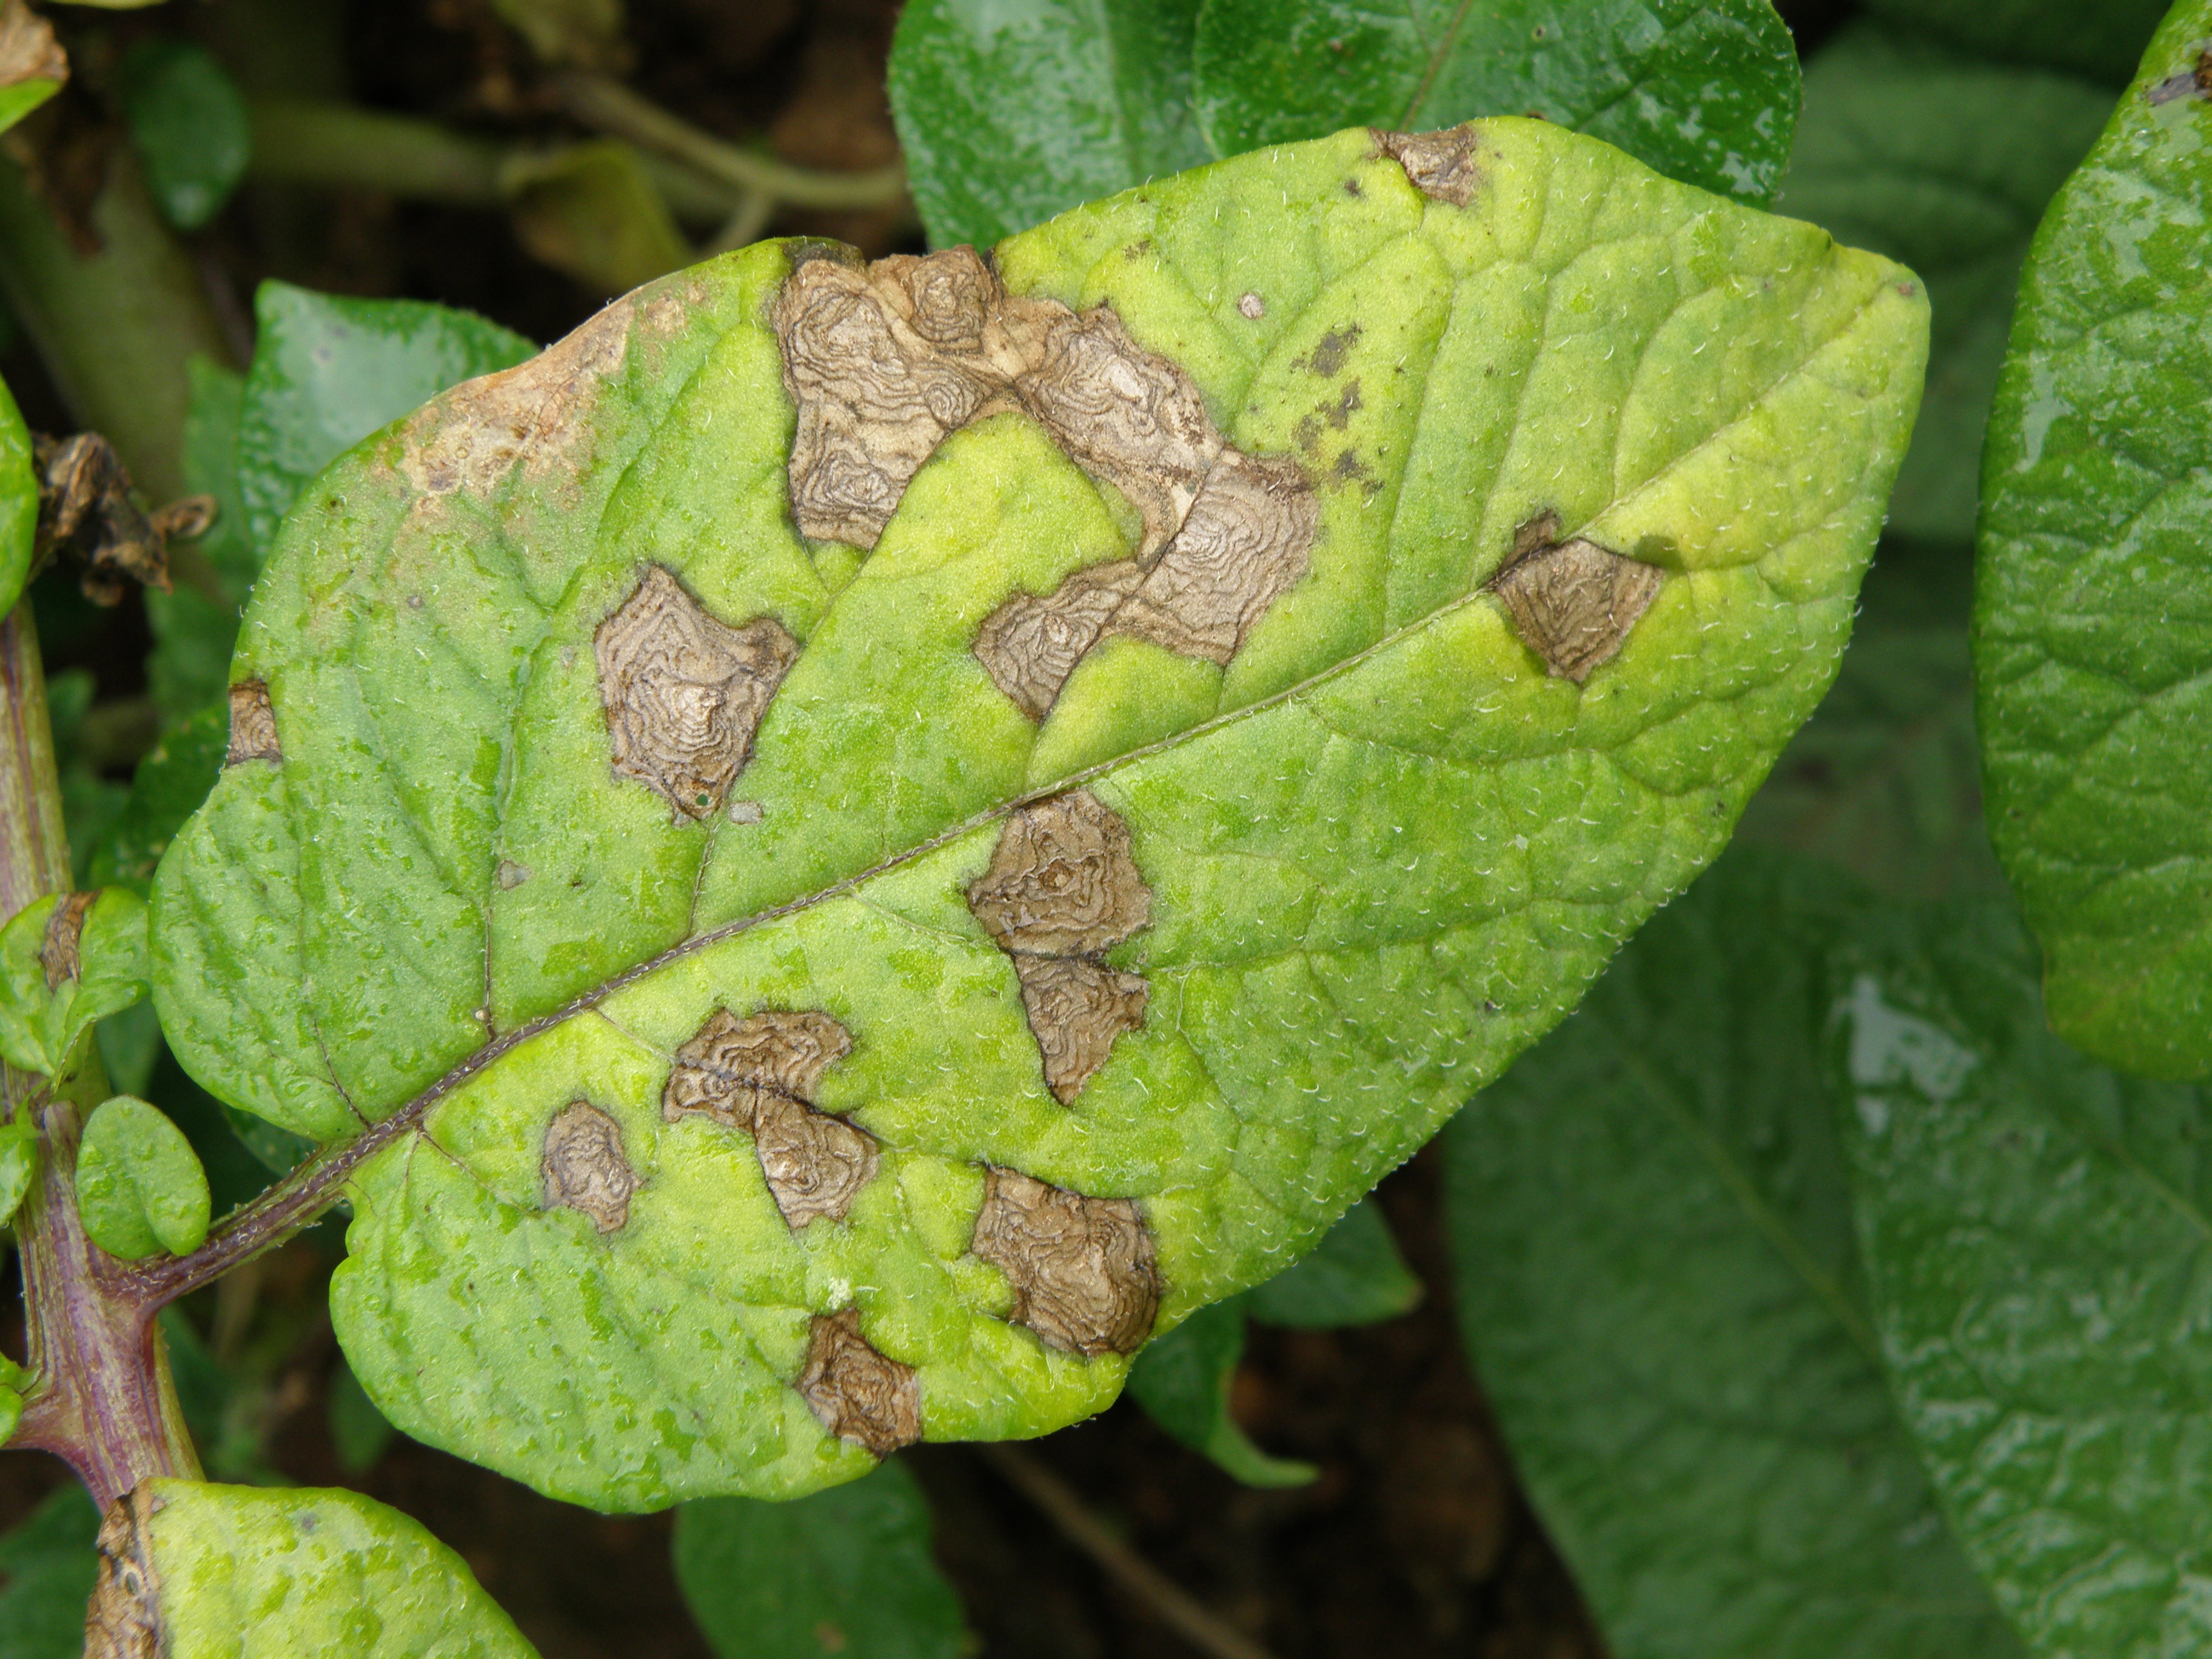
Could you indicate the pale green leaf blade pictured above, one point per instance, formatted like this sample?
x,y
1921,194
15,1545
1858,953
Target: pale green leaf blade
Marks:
x,y
2092,617
328,371
2036,1232
1182,1381
843,1571
1656,1277
140,1187
1009,114
19,501
66,962
19,1161
1354,1276
1945,163
47,1567
429,893
238,1572
1704,90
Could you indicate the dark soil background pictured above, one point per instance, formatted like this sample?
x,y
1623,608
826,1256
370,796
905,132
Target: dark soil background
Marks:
x,y
1415,1541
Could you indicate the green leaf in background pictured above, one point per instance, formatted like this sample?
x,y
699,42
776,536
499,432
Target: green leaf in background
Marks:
x,y
235,1572
47,1567
195,631
19,500
1354,1276
359,1432
66,961
172,780
1705,91
848,1573
1885,779
327,371
1944,163
140,1187
188,119
1182,1381
2037,1232
1012,111
587,33
771,1080
1652,1244
2093,616
15,1383
19,1161
2100,39
91,801
593,211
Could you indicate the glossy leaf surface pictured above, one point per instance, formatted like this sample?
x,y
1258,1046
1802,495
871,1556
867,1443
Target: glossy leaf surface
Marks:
x,y
1944,162
19,501
2036,1239
140,1187
842,1572
238,1572
2093,608
1657,1278
1009,115
1306,895
328,371
66,962
1704,90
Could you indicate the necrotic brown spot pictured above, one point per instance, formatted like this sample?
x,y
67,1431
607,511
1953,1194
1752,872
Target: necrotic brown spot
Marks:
x,y
1030,644
584,1167
1076,1008
759,1074
58,949
685,692
124,1619
252,725
1082,1269
1442,166
1246,541
1573,603
855,1392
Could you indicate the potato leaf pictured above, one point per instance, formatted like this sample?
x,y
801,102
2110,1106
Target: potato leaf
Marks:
x,y
194,1571
19,503
1182,1381
1658,1281
2035,1233
67,961
140,1187
33,65
188,119
2093,637
867,838
2098,38
1354,1276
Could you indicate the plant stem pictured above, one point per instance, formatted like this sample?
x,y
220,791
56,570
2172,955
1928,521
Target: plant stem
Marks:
x,y
115,329
104,1400
613,108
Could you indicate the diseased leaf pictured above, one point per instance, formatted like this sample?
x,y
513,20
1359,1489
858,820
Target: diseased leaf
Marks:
x,y
140,1187
46,1571
1354,1276
2092,614
1011,114
1704,90
1183,1379
841,998
2098,38
1885,779
1655,1272
327,371
2035,1230
66,961
19,500
188,119
33,67
1944,163
203,1571
842,1572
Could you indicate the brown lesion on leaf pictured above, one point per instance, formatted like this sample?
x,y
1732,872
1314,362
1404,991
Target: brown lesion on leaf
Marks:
x,y
1572,603
2196,80
1443,166
1084,1271
1062,888
885,361
759,1074
57,948
124,1618
28,51
252,725
685,692
856,1393
584,1167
